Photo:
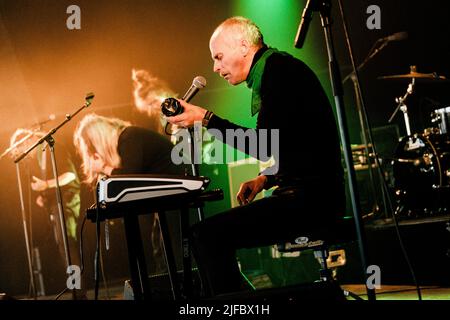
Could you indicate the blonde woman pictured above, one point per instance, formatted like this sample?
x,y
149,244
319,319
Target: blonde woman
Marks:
x,y
112,146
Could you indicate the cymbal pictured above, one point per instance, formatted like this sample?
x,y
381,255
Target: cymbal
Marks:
x,y
413,74
416,75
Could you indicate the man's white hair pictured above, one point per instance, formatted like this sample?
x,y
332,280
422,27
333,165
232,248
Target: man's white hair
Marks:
x,y
245,28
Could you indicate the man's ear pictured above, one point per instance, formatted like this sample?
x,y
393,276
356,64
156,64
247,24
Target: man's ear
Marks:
x,y
245,47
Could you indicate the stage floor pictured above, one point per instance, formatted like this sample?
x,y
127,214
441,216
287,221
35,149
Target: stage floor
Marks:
x,y
393,292
386,292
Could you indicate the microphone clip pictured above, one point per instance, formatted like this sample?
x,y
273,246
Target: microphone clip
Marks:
x,y
171,107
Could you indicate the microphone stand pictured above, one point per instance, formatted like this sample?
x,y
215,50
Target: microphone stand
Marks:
x,y
366,141
48,137
364,124
324,7
372,53
194,139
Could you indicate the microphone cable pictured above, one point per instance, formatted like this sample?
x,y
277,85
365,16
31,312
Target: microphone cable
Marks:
x,y
81,252
97,248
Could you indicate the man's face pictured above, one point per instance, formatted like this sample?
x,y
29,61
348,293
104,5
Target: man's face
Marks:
x,y
228,55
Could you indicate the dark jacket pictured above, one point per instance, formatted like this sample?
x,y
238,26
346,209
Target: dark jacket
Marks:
x,y
293,101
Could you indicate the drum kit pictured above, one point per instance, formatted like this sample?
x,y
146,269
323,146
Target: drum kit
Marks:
x,y
421,163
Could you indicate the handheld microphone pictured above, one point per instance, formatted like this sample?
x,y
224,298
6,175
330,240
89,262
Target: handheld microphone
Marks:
x,y
395,37
198,83
171,107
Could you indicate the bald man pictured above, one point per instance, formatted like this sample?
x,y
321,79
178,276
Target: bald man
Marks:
x,y
287,96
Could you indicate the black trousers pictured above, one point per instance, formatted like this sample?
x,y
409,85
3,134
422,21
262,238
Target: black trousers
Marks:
x,y
280,217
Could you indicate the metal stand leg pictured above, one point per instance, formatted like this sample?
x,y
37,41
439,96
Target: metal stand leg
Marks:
x,y
187,263
321,255
168,253
25,231
136,258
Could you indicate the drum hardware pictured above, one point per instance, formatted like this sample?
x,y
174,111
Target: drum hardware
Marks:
x,y
414,144
361,160
359,154
402,107
440,187
441,117
430,131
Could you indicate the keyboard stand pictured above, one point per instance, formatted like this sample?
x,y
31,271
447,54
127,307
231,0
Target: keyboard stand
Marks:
x,y
169,256
136,258
138,268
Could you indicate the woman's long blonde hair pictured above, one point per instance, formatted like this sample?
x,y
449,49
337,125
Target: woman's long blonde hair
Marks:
x,y
149,92
98,134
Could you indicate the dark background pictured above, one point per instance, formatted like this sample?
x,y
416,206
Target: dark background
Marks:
x,y
47,69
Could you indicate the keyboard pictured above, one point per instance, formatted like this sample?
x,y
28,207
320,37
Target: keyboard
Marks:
x,y
143,194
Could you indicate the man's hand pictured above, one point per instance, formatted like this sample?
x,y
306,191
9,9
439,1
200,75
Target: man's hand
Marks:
x,y
190,115
249,190
39,184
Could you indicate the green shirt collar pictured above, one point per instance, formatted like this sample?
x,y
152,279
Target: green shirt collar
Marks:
x,y
254,77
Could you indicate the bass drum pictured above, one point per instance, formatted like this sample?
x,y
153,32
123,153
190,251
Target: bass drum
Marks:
x,y
421,175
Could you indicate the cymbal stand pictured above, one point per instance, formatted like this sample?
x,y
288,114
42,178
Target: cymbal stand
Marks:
x,y
402,106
